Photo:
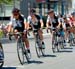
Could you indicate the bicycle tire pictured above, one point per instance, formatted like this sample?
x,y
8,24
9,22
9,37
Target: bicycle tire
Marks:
x,y
43,52
37,50
20,57
26,54
2,62
53,46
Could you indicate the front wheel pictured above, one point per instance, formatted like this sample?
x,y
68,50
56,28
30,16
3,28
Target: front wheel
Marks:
x,y
53,46
37,50
20,53
1,55
43,52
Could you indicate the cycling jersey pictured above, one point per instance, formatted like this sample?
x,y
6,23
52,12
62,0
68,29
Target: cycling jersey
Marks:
x,y
18,23
35,24
62,24
54,22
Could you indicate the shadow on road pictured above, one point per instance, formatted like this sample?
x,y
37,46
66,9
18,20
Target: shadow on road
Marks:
x,y
49,55
65,51
35,62
8,68
68,48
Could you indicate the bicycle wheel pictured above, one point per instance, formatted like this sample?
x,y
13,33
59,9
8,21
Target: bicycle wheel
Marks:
x,y
26,53
71,39
20,52
43,52
53,46
1,55
37,49
60,43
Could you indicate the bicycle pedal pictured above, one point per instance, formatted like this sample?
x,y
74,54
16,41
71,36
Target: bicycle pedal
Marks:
x,y
40,47
56,44
25,53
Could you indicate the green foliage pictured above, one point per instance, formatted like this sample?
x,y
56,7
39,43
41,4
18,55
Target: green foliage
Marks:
x,y
6,1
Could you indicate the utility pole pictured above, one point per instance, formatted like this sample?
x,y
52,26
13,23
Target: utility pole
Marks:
x,y
62,7
14,3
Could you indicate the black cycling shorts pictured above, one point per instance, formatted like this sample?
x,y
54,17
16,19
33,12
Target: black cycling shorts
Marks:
x,y
19,29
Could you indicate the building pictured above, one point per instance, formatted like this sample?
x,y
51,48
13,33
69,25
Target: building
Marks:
x,y
73,5
42,6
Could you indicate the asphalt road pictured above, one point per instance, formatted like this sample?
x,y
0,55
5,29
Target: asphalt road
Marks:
x,y
60,60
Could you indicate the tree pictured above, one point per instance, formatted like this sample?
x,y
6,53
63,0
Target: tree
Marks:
x,y
6,1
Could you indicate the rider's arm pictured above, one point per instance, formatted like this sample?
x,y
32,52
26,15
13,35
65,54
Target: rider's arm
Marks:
x,y
10,24
25,24
48,22
60,21
28,22
42,24
9,27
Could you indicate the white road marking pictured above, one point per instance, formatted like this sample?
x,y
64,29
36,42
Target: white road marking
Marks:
x,y
19,66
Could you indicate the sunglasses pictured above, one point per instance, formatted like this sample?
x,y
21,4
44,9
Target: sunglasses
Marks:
x,y
15,14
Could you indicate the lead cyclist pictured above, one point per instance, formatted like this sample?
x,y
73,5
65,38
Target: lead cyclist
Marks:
x,y
17,23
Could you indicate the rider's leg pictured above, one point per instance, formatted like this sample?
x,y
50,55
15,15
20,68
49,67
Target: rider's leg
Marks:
x,y
27,45
41,37
26,42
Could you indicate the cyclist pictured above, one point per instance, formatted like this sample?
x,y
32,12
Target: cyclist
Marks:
x,y
53,21
17,22
36,23
62,28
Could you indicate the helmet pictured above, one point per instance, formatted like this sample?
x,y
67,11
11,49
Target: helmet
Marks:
x,y
32,10
15,10
50,11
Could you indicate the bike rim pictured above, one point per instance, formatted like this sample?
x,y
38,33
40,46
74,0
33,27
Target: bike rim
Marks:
x,y
20,54
37,50
1,64
2,61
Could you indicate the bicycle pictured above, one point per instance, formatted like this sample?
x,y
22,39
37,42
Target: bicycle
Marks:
x,y
71,39
1,55
1,50
61,40
38,46
21,49
54,42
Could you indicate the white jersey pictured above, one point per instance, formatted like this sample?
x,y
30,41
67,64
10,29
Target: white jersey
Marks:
x,y
60,20
35,23
53,21
15,23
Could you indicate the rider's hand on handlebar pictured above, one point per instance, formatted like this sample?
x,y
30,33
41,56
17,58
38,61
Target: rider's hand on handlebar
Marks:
x,y
58,27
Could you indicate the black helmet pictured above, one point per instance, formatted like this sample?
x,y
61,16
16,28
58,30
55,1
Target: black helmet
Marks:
x,y
50,11
32,10
15,10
